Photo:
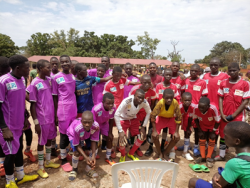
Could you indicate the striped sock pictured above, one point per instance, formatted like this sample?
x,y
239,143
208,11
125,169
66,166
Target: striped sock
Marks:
x,y
108,153
75,161
40,159
186,144
48,153
19,173
9,178
63,153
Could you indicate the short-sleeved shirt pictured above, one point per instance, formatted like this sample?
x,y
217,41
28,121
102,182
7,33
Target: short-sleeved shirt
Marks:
x,y
117,89
197,88
208,119
233,94
237,169
40,92
186,114
213,84
102,116
12,97
156,80
97,90
128,88
77,133
93,72
178,82
84,93
33,73
160,89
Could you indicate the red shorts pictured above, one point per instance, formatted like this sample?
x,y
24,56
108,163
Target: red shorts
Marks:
x,y
185,124
221,128
141,115
133,126
162,122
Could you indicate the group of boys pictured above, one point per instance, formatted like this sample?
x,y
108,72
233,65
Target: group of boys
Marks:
x,y
86,104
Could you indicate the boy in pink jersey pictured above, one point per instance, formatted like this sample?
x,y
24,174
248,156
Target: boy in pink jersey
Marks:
x,y
233,97
103,114
42,111
80,130
207,119
116,85
63,91
177,78
197,88
13,119
128,67
106,62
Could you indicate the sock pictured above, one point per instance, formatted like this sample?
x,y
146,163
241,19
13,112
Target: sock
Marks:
x,y
9,178
186,144
19,172
202,143
162,143
2,160
122,150
27,148
96,151
53,143
222,147
63,153
215,147
136,145
108,153
132,140
90,153
48,153
210,149
75,161
196,146
40,159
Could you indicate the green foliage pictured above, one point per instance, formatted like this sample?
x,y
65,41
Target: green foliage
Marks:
x,y
197,61
7,46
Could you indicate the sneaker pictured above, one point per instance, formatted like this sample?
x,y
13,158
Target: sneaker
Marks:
x,y
42,173
122,159
134,158
11,185
68,157
113,154
149,151
27,178
181,148
51,165
30,156
139,152
219,158
109,161
188,156
196,152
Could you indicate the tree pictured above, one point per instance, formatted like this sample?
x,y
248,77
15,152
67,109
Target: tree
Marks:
x,y
197,61
175,55
149,45
160,57
7,46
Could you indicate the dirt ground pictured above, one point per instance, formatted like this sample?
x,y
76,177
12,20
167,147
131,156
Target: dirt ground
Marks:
x,y
59,179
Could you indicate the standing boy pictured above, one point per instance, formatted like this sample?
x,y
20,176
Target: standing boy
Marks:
x,y
33,72
155,78
128,67
105,60
177,78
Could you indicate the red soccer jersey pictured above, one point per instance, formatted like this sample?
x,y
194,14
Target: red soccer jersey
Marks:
x,y
233,94
178,82
156,80
186,115
213,85
160,89
117,89
207,120
197,88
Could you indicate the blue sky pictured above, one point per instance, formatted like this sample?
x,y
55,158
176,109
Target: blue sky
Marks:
x,y
197,25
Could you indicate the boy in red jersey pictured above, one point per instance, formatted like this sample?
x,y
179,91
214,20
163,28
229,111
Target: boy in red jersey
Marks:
x,y
177,78
233,97
155,78
207,119
198,88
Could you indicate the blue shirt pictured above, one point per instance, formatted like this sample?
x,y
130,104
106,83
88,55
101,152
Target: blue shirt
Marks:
x,y
84,93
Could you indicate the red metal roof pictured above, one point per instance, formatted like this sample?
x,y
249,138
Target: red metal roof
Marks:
x,y
112,60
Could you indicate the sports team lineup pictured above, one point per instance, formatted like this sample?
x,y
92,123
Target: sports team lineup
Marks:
x,y
80,121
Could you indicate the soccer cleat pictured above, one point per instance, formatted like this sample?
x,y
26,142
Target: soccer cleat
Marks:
x,y
134,158
139,152
196,152
51,165
219,158
68,157
110,162
149,151
11,185
188,156
42,173
122,159
181,148
30,156
27,178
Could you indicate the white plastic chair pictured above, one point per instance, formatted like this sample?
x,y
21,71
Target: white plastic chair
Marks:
x,y
144,174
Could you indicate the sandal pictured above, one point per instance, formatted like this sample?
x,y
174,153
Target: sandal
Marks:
x,y
204,169
110,162
72,175
67,167
92,174
195,168
199,160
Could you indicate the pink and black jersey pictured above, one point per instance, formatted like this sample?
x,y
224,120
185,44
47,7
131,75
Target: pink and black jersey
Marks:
x,y
178,82
128,88
40,92
233,94
213,84
160,89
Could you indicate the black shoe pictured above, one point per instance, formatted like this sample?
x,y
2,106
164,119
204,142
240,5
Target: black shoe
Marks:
x,y
149,151
53,152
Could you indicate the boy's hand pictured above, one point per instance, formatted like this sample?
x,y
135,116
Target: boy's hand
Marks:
x,y
7,134
176,136
88,161
122,139
38,129
143,133
215,180
182,76
93,161
224,117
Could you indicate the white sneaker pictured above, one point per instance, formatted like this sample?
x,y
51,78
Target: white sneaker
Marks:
x,y
188,156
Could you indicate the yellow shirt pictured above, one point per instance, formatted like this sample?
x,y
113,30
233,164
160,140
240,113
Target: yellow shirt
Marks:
x,y
173,111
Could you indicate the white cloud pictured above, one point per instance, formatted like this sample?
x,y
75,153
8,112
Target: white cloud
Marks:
x,y
12,1
198,25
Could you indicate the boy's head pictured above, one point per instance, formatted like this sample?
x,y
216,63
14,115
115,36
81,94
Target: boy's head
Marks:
x,y
194,71
65,62
168,96
81,70
108,101
214,65
139,97
43,66
101,69
20,65
207,70
204,104
248,74
237,134
128,67
117,73
152,68
105,61
33,66
54,63
74,62
159,71
4,65
175,67
87,120
146,82
186,99
233,70
201,71
168,73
